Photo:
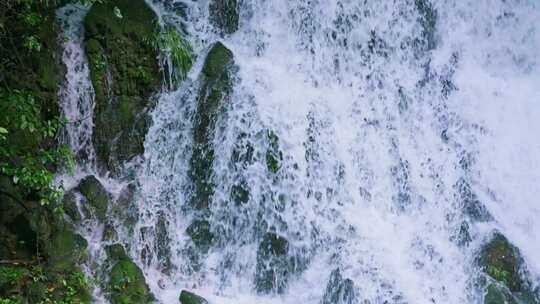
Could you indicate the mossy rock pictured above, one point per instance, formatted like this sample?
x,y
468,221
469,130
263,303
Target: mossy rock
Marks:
x,y
124,70
200,234
224,15
127,284
116,252
240,194
162,242
66,250
109,233
96,196
124,210
496,294
273,264
69,203
503,263
339,290
187,297
215,89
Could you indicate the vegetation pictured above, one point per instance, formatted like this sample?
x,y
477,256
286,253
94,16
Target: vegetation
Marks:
x,y
172,43
26,154
37,287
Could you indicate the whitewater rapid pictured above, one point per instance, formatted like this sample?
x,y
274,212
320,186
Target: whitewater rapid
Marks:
x,y
390,122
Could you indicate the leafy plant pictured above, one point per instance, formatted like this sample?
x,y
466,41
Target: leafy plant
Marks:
x,y
499,274
32,44
28,165
10,274
173,45
10,301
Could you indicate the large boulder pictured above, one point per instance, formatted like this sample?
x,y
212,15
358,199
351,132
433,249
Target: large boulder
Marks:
x,y
215,89
125,73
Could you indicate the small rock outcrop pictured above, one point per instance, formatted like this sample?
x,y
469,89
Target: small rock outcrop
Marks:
x,y
215,89
507,278
187,297
273,264
339,290
200,234
95,195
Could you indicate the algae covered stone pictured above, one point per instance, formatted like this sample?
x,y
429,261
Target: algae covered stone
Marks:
x,y
507,275
273,155
187,297
215,89
66,250
96,196
273,264
502,261
200,234
124,70
127,284
116,252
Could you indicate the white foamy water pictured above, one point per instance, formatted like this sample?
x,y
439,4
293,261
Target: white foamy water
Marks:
x,y
389,127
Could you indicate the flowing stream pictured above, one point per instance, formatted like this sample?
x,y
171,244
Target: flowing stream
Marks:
x,y
406,133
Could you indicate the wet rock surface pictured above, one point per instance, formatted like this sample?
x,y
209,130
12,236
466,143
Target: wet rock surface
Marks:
x,y
215,89
187,297
507,276
125,73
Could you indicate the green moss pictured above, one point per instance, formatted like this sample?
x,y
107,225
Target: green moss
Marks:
x,y
187,297
127,284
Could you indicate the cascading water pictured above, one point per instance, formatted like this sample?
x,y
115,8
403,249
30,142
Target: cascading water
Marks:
x,y
77,93
379,141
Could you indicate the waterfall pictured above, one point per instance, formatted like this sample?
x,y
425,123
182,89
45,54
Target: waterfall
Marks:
x,y
76,92
378,144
